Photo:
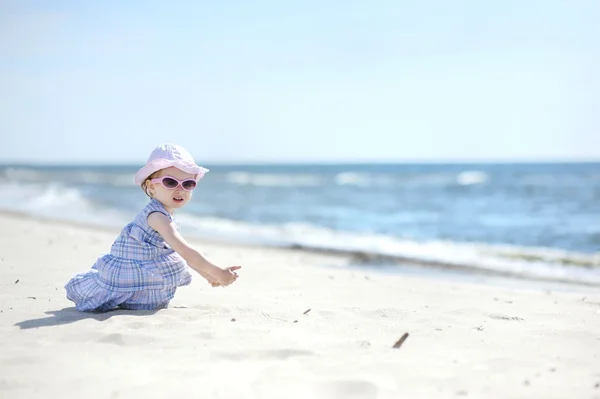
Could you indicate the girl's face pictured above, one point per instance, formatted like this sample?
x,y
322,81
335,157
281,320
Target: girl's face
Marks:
x,y
171,198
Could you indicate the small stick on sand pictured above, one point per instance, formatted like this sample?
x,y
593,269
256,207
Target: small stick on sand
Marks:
x,y
400,341
306,311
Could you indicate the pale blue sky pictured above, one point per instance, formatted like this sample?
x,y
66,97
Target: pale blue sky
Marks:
x,y
235,81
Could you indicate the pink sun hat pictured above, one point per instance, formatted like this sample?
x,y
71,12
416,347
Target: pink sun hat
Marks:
x,y
165,156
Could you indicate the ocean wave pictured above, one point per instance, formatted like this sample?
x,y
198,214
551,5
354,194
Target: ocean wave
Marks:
x,y
471,177
361,179
24,174
357,179
67,203
536,263
465,178
57,201
82,176
273,180
41,192
352,178
111,179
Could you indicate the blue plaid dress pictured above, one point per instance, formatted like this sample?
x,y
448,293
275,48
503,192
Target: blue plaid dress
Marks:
x,y
141,272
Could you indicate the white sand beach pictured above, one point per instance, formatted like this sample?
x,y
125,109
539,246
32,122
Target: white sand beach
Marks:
x,y
258,339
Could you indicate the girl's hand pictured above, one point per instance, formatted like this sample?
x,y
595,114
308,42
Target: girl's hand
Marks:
x,y
228,276
210,279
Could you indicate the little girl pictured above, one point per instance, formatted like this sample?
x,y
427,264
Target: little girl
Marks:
x,y
150,259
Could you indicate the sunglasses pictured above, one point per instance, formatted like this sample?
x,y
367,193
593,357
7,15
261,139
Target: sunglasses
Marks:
x,y
171,183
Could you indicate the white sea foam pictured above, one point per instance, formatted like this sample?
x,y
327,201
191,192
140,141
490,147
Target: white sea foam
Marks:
x,y
361,179
471,177
273,180
520,261
56,201
357,179
352,178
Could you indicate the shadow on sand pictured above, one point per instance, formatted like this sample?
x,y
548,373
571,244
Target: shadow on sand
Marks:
x,y
71,315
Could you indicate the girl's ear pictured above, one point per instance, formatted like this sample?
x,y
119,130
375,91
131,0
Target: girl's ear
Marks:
x,y
150,188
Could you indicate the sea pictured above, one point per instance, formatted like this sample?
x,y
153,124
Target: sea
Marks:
x,y
530,221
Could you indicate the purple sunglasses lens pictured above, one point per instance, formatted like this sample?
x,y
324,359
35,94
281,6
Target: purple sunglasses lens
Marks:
x,y
170,183
189,184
